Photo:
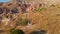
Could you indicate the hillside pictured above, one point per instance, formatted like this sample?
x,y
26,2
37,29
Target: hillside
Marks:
x,y
42,16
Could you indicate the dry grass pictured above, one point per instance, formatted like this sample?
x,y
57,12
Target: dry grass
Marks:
x,y
46,20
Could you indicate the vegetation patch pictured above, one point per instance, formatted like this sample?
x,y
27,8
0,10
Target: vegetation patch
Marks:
x,y
17,31
22,21
39,9
52,5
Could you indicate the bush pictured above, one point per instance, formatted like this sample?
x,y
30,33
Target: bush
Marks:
x,y
39,9
52,5
17,31
22,21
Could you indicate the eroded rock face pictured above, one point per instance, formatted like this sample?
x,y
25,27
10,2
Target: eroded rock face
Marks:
x,y
1,10
0,19
7,10
15,10
1,4
24,5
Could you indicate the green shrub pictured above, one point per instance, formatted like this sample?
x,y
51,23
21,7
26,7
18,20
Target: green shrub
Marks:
x,y
22,21
52,5
17,31
39,9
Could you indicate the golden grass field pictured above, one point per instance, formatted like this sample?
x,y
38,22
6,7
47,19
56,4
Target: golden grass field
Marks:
x,y
48,20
